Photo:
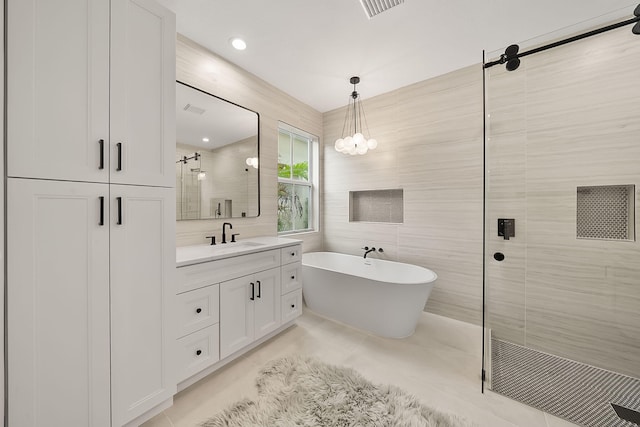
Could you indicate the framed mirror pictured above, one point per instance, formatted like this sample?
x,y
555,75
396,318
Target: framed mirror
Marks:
x,y
217,157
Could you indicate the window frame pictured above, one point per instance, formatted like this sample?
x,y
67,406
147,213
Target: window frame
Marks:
x,y
312,176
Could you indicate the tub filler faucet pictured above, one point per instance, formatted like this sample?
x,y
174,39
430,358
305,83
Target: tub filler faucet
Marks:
x,y
367,251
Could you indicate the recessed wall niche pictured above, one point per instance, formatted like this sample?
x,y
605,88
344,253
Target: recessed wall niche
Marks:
x,y
376,206
606,212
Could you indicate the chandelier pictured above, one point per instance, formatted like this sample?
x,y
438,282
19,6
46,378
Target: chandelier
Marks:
x,y
354,143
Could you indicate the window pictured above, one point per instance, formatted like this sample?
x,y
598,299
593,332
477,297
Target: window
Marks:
x,y
296,179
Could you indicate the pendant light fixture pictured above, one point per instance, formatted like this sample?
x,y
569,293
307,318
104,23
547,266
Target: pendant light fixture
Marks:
x,y
356,122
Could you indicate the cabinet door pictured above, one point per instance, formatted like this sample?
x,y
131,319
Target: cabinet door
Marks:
x,y
58,89
58,313
236,315
142,319
142,93
267,302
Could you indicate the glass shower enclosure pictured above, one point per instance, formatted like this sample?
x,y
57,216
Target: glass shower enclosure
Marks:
x,y
561,257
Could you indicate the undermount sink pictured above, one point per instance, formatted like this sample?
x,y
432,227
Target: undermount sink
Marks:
x,y
186,255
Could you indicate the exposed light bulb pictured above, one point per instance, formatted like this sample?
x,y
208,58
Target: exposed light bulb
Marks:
x,y
362,148
349,143
372,144
205,139
339,146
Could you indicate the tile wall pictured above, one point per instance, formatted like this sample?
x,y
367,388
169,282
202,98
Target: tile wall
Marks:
x,y
430,146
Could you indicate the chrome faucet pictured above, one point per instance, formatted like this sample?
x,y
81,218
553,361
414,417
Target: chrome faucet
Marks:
x,y
224,231
367,250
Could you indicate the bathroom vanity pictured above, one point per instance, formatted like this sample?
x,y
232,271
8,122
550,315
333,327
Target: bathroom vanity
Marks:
x,y
231,298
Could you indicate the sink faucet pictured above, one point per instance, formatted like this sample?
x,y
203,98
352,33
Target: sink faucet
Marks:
x,y
224,231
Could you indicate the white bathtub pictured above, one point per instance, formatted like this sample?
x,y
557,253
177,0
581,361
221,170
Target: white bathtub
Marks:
x,y
382,297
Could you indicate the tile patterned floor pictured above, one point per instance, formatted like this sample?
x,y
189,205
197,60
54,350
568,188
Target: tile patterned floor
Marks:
x,y
440,364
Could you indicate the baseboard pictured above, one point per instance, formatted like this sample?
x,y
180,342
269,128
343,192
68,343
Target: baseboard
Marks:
x,y
150,413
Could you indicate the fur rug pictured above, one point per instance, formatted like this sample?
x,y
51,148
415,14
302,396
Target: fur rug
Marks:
x,y
297,391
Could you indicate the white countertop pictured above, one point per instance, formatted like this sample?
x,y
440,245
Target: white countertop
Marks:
x,y
196,254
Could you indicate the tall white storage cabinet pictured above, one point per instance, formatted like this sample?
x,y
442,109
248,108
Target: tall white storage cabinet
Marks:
x,y
90,211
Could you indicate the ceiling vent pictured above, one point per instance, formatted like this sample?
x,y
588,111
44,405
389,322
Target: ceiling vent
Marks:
x,y
374,7
193,109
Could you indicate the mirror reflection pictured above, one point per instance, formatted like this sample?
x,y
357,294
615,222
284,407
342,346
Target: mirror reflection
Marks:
x,y
217,167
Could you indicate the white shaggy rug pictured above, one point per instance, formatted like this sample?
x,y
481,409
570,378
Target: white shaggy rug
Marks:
x,y
297,391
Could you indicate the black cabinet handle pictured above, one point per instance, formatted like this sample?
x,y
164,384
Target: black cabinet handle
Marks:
x,y
498,256
119,147
259,288
119,200
293,277
198,310
101,222
253,291
101,143
293,306
198,352
293,254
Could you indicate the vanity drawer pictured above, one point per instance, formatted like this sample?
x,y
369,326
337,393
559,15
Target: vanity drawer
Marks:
x,y
198,351
291,305
198,309
291,254
200,275
291,277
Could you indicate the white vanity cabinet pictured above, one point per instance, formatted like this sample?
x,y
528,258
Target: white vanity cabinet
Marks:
x,y
249,309
91,261
291,273
250,287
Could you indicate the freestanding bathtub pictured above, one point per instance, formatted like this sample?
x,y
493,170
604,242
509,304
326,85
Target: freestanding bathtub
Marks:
x,y
378,296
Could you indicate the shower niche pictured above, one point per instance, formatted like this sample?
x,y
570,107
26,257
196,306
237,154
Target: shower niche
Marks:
x,y
605,212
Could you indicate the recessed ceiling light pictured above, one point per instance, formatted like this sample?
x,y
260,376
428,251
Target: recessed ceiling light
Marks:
x,y
238,43
205,139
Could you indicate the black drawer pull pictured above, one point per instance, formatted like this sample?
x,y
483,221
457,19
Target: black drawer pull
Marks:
x,y
198,310
253,291
101,142
293,277
198,352
119,200
101,222
498,256
119,147
293,306
259,288
293,254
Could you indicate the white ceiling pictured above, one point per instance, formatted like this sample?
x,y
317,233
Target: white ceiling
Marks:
x,y
309,49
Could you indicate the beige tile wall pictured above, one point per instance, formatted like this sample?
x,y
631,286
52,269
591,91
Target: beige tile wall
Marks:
x,y
430,145
207,71
568,117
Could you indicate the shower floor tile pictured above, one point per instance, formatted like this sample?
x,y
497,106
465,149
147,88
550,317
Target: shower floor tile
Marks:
x,y
440,364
